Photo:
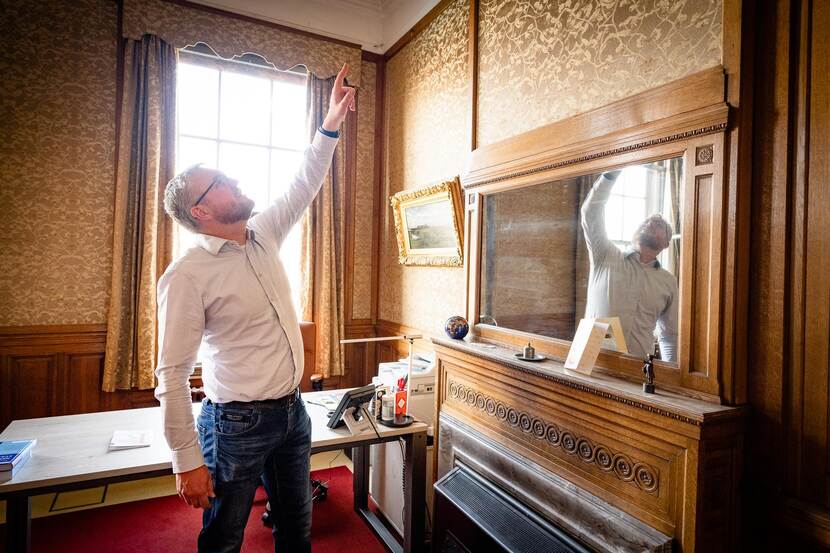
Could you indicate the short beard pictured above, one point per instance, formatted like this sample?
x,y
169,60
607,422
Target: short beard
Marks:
x,y
650,242
241,212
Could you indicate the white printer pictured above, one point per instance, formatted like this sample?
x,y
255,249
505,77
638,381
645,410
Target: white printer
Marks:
x,y
386,486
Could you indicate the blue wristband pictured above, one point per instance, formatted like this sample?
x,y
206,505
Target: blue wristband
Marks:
x,y
330,134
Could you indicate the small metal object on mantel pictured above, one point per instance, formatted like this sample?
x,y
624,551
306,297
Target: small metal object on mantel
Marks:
x,y
648,370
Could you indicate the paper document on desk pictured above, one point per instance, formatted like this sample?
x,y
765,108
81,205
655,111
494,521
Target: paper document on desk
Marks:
x,y
329,401
130,439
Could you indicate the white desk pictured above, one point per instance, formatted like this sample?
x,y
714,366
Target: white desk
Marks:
x,y
71,453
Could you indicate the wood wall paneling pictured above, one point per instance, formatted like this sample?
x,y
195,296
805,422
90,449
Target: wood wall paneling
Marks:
x,y
817,259
57,370
787,467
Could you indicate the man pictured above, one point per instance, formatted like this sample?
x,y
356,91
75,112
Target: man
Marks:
x,y
230,293
631,285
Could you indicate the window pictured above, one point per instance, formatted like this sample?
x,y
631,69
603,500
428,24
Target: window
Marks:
x,y
249,122
640,191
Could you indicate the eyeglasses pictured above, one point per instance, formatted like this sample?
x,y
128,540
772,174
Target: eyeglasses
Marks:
x,y
218,178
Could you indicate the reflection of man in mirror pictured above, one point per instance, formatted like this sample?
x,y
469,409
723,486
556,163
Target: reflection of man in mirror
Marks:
x,y
631,284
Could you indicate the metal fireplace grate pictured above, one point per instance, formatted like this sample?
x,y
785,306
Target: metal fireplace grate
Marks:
x,y
506,521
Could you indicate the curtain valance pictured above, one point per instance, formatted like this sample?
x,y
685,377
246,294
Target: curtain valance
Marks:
x,y
182,25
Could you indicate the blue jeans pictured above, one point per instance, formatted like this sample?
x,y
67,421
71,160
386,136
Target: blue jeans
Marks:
x,y
247,442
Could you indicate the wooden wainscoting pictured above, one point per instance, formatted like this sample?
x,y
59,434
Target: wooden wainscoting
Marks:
x,y
57,370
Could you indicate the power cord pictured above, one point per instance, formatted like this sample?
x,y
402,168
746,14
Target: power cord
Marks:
x,y
371,422
333,459
403,489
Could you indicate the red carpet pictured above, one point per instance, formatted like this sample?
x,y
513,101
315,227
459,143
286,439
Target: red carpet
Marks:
x,y
168,525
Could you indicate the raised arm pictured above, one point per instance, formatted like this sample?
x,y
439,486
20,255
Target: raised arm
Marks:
x,y
593,216
181,324
278,219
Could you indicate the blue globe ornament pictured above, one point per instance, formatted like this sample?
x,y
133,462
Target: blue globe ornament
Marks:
x,y
456,327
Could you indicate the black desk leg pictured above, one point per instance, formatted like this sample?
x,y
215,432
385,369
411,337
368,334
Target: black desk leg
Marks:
x,y
415,463
18,524
360,477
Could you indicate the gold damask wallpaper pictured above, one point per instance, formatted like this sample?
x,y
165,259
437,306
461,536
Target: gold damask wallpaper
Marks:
x,y
541,62
57,122
364,194
426,106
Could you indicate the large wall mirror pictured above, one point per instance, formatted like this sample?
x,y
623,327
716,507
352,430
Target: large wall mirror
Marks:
x,y
604,245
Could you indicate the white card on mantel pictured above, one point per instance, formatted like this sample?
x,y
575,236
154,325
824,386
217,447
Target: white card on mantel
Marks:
x,y
129,439
586,345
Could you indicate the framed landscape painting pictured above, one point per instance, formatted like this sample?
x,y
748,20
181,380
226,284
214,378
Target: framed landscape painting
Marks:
x,y
428,224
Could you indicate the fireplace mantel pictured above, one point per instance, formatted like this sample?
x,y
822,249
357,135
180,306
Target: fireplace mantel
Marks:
x,y
668,460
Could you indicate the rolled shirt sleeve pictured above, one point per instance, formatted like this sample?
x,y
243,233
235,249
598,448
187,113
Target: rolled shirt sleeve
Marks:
x,y
181,324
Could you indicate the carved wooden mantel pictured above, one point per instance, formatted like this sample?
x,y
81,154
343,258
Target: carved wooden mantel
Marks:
x,y
668,460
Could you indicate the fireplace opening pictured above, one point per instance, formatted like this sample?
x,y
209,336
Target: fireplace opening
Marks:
x,y
473,515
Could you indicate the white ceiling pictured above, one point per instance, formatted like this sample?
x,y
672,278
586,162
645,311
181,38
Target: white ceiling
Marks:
x,y
374,24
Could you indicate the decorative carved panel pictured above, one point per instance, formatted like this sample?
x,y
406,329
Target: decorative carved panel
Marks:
x,y
668,460
579,446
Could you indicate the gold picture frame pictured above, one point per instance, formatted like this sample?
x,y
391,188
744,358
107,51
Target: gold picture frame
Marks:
x,y
428,225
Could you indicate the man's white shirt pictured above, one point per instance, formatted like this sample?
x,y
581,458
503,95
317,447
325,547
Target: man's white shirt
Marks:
x,y
236,301
641,295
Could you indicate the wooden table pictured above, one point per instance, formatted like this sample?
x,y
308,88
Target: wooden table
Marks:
x,y
71,454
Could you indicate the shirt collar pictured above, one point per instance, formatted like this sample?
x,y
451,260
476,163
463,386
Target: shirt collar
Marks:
x,y
213,244
631,251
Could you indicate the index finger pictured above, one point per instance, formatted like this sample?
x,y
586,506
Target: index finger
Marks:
x,y
338,82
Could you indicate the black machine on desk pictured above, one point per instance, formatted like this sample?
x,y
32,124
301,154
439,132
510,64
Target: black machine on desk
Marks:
x,y
350,412
351,406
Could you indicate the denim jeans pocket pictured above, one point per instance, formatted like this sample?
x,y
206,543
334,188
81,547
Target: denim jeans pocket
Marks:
x,y
235,421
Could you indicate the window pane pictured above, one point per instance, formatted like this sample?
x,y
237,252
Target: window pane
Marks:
x,y
635,213
197,99
614,218
288,129
284,166
195,150
249,165
634,181
245,108
290,257
184,241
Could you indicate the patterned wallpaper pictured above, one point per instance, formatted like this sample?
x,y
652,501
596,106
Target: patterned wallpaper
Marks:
x,y
57,120
426,105
364,194
544,61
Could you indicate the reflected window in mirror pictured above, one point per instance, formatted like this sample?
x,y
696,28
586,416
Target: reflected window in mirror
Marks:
x,y
604,245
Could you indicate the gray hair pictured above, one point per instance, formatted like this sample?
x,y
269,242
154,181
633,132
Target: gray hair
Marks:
x,y
659,220
178,199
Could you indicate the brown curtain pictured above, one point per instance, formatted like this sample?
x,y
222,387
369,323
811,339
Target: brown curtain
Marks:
x,y
142,235
322,244
675,180
184,23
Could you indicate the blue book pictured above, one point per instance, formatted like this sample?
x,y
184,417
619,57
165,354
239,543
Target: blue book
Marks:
x,y
6,475
15,452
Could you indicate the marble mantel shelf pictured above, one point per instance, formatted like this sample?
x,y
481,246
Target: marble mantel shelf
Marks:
x,y
664,402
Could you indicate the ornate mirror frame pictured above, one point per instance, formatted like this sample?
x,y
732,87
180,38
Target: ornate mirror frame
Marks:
x,y
688,118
